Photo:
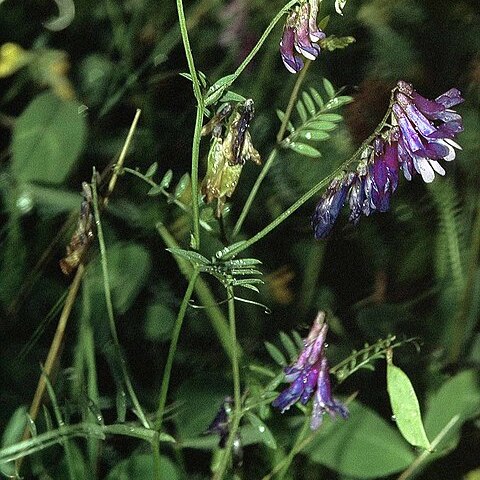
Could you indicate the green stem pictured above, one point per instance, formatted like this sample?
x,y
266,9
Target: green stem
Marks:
x,y
261,41
237,407
171,198
236,248
198,123
173,348
205,296
292,100
108,301
254,191
273,154
282,467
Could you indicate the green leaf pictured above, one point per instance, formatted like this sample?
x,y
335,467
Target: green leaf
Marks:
x,y
48,138
13,434
281,116
198,400
302,111
276,354
194,257
167,178
289,346
128,268
216,90
317,135
338,102
317,97
321,125
307,100
333,43
304,149
329,88
182,185
405,407
159,322
230,96
152,170
265,433
363,446
330,117
140,465
460,395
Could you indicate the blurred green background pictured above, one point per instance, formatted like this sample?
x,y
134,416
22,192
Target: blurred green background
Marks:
x,y
413,271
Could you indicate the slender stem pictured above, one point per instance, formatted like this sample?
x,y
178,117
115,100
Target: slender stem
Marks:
x,y
198,123
121,158
253,192
236,248
261,41
108,301
194,175
53,352
204,293
292,100
426,453
282,467
171,198
237,407
273,154
235,355
173,348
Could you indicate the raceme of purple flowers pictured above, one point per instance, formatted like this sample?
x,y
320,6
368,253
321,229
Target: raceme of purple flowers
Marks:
x,y
301,34
309,375
422,133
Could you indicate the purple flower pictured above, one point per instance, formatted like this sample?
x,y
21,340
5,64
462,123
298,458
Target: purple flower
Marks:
x,y
427,129
300,33
384,173
310,373
329,206
323,400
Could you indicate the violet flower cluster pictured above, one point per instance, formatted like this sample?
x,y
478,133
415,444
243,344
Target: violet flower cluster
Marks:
x,y
301,34
309,374
422,132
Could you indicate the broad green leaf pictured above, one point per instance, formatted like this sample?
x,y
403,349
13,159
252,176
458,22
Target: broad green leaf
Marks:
x,y
197,401
159,322
317,135
140,466
266,435
304,149
405,407
216,90
460,395
281,116
128,267
337,102
289,346
329,88
167,178
194,257
48,138
13,434
298,339
307,100
276,354
363,446
333,43
302,111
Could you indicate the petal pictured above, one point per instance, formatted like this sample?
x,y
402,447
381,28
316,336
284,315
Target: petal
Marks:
x,y
415,116
437,167
448,130
423,167
292,63
412,140
451,98
303,44
315,33
429,108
